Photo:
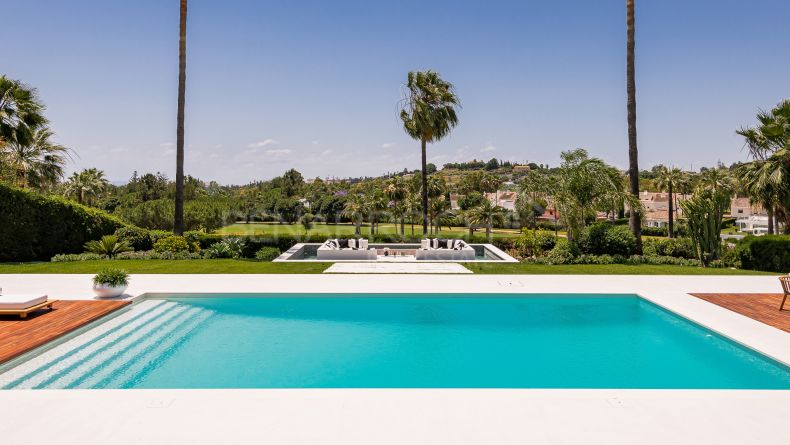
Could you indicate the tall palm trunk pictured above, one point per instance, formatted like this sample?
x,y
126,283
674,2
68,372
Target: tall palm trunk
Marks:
x,y
424,188
633,164
671,231
178,224
770,210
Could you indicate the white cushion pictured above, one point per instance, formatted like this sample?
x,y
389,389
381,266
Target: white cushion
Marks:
x,y
363,244
424,243
352,243
15,302
435,243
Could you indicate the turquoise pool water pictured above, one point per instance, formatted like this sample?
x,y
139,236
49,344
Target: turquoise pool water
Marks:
x,y
424,341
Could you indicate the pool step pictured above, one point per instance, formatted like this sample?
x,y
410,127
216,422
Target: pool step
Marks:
x,y
128,364
75,361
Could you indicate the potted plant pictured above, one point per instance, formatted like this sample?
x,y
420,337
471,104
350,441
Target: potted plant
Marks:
x,y
110,283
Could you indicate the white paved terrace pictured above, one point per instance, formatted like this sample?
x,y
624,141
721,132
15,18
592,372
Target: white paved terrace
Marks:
x,y
429,416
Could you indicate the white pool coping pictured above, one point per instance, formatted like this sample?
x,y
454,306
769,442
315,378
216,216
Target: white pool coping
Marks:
x,y
364,416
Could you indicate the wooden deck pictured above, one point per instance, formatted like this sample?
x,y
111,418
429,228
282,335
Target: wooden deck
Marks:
x,y
18,336
760,307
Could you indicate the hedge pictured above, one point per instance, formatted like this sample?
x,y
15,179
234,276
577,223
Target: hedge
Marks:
x,y
35,227
770,253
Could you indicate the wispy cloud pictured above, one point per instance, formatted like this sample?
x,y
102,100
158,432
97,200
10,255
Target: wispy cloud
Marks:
x,y
388,145
279,151
263,143
316,142
487,148
167,144
326,152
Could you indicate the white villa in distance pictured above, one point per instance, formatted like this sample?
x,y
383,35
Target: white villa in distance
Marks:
x,y
504,199
749,218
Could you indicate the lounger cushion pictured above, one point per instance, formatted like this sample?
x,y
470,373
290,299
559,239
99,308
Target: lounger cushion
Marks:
x,y
425,243
343,243
443,244
363,244
352,244
14,302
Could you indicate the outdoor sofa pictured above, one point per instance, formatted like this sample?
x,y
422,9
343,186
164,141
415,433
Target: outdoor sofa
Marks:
x,y
445,250
345,250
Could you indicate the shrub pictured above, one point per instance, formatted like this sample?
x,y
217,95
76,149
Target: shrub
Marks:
x,y
267,253
769,253
107,245
533,243
680,230
604,238
172,243
229,248
619,259
34,227
135,237
112,277
676,247
562,253
154,255
69,257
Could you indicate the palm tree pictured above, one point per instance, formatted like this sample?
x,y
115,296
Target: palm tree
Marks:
x,y
429,114
486,214
86,186
397,192
413,207
38,162
20,112
439,212
585,185
633,155
769,147
669,179
376,204
178,223
763,186
716,179
355,209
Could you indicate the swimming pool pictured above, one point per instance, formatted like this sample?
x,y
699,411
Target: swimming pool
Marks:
x,y
398,341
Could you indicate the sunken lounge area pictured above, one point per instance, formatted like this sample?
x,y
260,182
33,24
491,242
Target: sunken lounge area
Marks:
x,y
429,250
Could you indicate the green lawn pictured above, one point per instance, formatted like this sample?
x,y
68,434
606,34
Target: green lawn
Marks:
x,y
603,269
253,267
166,266
345,229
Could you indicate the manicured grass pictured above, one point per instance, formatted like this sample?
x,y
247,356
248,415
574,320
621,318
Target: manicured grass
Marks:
x,y
345,229
166,267
603,269
258,267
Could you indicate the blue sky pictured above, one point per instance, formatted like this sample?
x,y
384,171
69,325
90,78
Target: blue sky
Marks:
x,y
315,84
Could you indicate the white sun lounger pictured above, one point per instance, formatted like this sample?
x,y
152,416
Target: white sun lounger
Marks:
x,y
23,304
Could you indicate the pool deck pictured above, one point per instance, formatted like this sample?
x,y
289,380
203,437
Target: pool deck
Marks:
x,y
430,416
761,307
19,335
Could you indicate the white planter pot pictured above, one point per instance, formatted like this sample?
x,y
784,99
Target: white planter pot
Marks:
x,y
105,291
